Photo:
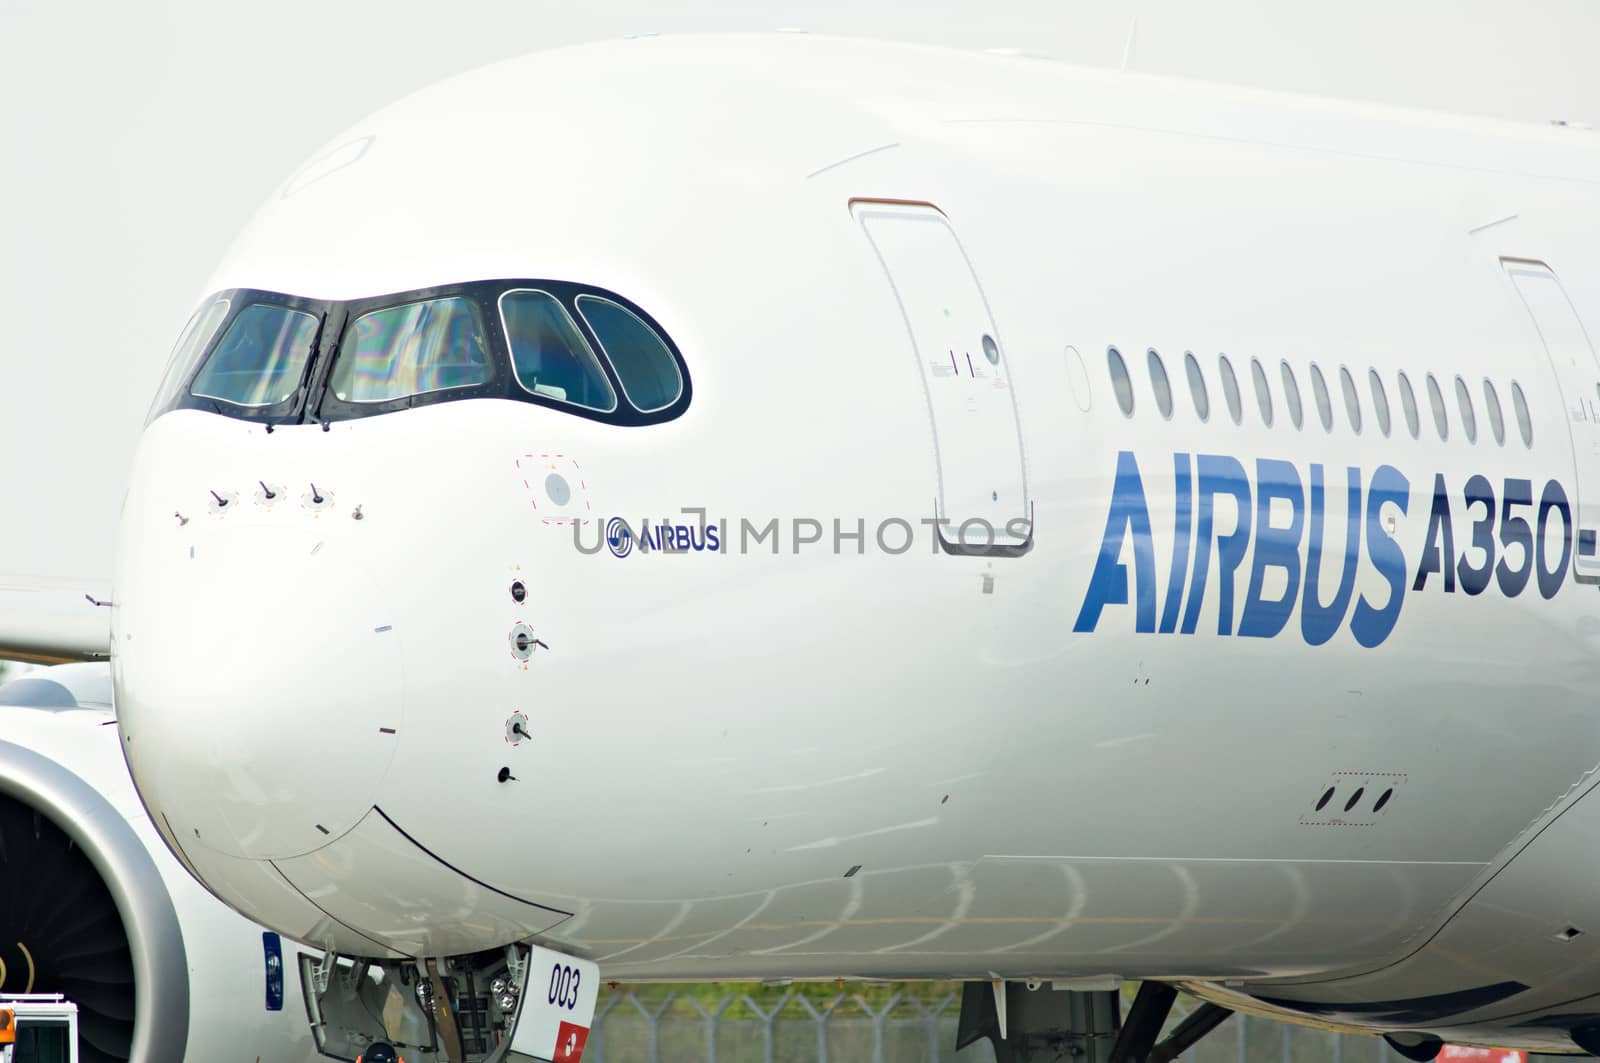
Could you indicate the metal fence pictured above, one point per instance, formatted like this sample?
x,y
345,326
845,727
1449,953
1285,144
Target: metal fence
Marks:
x,y
910,1024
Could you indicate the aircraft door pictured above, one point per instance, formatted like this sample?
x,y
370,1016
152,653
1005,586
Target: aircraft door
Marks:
x,y
982,497
1558,328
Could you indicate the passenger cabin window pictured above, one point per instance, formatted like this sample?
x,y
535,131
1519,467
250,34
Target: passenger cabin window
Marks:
x,y
1319,391
1197,386
1519,404
643,364
1120,384
1263,396
1352,399
1291,395
1160,384
1491,406
1408,406
549,355
411,349
1436,401
1469,421
1230,389
261,359
1380,401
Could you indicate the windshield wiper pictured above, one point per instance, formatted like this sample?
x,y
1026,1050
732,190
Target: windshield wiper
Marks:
x,y
313,371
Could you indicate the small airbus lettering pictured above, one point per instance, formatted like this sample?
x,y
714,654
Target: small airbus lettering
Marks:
x,y
679,538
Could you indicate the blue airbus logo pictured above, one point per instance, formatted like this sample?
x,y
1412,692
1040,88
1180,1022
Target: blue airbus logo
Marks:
x,y
662,538
1288,555
619,537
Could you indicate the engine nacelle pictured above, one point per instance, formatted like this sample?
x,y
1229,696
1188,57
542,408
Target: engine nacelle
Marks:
x,y
94,906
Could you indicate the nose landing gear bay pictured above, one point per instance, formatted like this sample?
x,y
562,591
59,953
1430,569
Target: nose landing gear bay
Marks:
x,y
523,1004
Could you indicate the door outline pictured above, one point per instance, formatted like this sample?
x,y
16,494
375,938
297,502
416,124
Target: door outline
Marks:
x,y
1585,484
955,548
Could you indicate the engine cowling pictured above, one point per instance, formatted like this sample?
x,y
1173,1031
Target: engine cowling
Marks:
x,y
94,906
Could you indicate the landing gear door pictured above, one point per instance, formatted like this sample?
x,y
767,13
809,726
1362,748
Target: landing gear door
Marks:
x,y
982,494
1557,327
556,1008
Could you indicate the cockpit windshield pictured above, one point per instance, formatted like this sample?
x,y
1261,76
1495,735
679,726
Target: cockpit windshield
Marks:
x,y
284,359
191,344
261,359
411,349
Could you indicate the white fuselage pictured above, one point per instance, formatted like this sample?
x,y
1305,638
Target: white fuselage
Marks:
x,y
837,760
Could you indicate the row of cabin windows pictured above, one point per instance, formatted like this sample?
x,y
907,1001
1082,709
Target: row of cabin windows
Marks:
x,y
1161,386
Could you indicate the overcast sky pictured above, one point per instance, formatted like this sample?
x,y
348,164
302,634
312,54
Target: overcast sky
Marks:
x,y
137,137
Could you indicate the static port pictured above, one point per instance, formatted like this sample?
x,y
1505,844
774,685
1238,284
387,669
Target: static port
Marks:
x,y
522,641
519,591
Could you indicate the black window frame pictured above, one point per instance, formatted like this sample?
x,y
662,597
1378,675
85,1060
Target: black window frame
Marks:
x,y
289,411
606,356
314,402
332,408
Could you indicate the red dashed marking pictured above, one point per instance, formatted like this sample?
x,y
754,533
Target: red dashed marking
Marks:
x,y
527,484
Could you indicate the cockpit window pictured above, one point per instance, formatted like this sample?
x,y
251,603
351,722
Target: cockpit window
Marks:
x,y
647,370
191,344
412,349
287,359
549,355
261,359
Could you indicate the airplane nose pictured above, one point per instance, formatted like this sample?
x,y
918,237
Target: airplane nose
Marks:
x,y
259,689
